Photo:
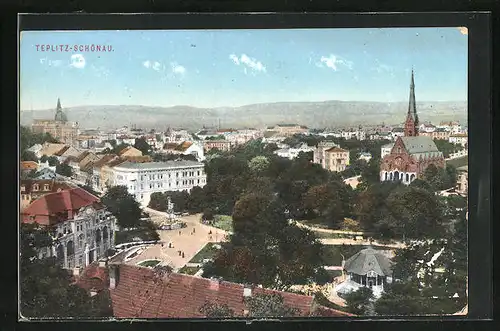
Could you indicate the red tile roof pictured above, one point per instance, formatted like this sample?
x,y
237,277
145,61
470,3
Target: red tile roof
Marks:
x,y
29,165
142,293
58,207
183,146
53,186
94,278
105,159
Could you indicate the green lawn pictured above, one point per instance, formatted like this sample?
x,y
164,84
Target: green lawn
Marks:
x,y
207,252
188,270
459,162
223,222
332,254
149,263
329,235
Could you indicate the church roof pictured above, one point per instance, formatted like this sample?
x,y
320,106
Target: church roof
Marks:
x,y
367,260
419,144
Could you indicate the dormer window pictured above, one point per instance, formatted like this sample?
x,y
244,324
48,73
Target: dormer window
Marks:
x,y
46,187
35,187
23,188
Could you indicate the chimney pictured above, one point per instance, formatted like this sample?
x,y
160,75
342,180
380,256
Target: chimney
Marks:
x,y
247,291
113,273
103,263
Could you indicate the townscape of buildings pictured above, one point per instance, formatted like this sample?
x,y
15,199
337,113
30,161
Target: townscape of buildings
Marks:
x,y
85,229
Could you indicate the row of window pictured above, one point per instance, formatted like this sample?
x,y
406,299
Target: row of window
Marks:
x,y
160,185
36,187
183,174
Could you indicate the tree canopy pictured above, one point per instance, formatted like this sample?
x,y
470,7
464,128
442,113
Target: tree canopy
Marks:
x,y
123,206
47,290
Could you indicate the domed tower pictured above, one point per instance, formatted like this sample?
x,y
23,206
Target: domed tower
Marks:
x,y
60,115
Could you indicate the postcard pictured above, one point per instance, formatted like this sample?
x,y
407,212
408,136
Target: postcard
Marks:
x,y
258,173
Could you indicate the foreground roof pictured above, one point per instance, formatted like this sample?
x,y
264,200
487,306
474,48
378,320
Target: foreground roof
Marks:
x,y
145,293
367,260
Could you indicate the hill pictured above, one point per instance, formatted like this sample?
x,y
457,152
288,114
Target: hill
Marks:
x,y
312,114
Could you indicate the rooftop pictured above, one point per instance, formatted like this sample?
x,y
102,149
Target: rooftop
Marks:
x,y
55,206
53,186
419,144
367,260
159,165
146,293
336,150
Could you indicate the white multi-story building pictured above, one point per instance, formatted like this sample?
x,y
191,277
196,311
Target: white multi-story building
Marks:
x,y
459,138
292,152
143,179
82,228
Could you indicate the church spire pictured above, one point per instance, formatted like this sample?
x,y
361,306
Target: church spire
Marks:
x,y
60,115
411,124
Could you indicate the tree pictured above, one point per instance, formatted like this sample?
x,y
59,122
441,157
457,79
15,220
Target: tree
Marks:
x,y
447,147
143,146
196,200
269,305
47,290
324,200
28,156
414,213
44,158
158,201
53,161
208,214
258,164
358,301
123,206
216,310
64,169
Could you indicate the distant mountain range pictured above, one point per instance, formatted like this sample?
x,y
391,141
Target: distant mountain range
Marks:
x,y
312,114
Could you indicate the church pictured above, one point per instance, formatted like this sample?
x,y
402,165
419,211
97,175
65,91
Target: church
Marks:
x,y
411,154
60,128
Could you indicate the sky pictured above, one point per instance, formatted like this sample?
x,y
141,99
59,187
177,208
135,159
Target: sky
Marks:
x,y
217,68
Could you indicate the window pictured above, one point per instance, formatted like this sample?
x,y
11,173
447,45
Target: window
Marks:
x,y
150,185
23,188
46,187
35,187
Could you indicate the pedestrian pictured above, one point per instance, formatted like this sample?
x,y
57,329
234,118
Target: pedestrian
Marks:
x,y
210,232
179,253
182,254
179,233
194,230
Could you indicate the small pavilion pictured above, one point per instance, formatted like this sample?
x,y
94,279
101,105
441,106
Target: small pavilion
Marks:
x,y
367,268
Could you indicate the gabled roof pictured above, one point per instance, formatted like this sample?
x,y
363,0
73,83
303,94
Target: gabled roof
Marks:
x,y
103,160
170,146
53,186
137,159
126,149
145,293
183,146
367,260
419,144
93,278
61,151
335,150
56,205
82,156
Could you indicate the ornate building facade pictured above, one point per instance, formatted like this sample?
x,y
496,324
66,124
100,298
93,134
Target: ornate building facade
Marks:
x,y
411,154
80,225
59,128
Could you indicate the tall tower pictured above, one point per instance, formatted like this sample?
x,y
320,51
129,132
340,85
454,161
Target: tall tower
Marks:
x,y
411,123
60,116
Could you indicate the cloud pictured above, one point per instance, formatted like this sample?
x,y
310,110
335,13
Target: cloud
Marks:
x,y
235,59
146,64
248,63
463,30
50,63
177,68
157,66
77,61
334,62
